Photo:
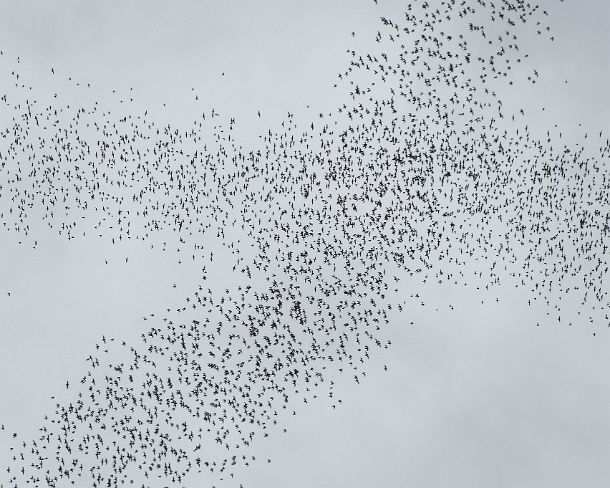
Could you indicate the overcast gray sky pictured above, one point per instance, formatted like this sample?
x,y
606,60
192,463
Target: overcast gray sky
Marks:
x,y
476,396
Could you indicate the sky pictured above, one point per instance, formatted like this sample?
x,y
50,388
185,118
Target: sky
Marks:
x,y
476,395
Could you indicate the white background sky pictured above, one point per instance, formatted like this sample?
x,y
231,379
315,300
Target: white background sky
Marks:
x,y
477,396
